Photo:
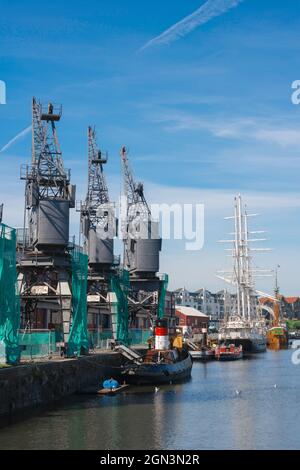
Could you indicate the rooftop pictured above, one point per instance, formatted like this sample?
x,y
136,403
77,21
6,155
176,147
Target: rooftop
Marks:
x,y
190,312
291,300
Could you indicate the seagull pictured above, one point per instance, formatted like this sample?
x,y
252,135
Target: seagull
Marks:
x,y
275,386
238,392
156,389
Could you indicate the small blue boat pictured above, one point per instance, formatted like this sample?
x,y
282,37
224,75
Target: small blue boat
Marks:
x,y
111,384
112,387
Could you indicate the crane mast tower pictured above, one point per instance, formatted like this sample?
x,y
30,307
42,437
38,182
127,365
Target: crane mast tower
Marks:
x,y
98,227
43,258
142,246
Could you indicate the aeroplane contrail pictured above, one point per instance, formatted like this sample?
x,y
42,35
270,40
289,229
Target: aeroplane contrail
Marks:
x,y
205,13
17,137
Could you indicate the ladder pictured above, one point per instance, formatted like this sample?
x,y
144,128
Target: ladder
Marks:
x,y
129,353
192,345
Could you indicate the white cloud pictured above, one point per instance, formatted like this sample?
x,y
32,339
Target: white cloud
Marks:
x,y
217,200
283,137
239,128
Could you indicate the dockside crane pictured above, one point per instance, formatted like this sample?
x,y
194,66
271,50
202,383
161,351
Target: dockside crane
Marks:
x,y
142,246
142,243
97,213
43,258
98,227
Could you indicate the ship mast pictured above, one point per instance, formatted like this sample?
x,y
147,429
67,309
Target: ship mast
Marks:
x,y
242,274
276,304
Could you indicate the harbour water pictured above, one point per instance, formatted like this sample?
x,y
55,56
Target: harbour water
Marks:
x,y
247,404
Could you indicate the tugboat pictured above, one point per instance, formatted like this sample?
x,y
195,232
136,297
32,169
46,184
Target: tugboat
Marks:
x,y
162,364
229,353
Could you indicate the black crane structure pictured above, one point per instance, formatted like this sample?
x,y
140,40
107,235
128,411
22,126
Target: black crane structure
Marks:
x,y
138,214
98,227
142,245
45,254
47,169
97,193
44,248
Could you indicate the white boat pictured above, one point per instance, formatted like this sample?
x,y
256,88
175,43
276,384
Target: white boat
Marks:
x,y
242,333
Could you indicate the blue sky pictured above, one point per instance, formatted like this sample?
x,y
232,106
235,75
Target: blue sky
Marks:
x,y
205,117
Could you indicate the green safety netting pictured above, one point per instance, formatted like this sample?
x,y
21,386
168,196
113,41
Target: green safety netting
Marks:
x,y
162,297
138,336
99,339
37,343
120,286
78,339
9,299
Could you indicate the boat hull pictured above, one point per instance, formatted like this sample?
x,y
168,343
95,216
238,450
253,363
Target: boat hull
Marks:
x,y
202,355
112,391
229,357
250,345
229,353
145,374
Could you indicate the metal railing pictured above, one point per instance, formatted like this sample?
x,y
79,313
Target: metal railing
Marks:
x,y
38,343
102,338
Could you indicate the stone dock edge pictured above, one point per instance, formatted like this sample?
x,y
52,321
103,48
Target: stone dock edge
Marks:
x,y
37,384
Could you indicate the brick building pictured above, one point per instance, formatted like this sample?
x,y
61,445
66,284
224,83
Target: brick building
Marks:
x,y
191,320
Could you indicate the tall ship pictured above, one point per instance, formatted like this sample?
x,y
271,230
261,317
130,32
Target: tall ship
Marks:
x,y
244,324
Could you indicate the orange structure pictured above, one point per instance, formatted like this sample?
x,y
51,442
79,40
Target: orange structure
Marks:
x,y
277,335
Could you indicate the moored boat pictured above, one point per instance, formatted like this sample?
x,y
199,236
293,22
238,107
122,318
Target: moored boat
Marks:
x,y
228,353
200,351
243,325
159,367
242,333
162,364
202,354
112,391
277,334
277,338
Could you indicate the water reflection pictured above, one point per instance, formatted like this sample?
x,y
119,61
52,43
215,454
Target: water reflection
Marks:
x,y
205,413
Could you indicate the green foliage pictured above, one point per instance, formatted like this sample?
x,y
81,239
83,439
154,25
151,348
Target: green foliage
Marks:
x,y
293,324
